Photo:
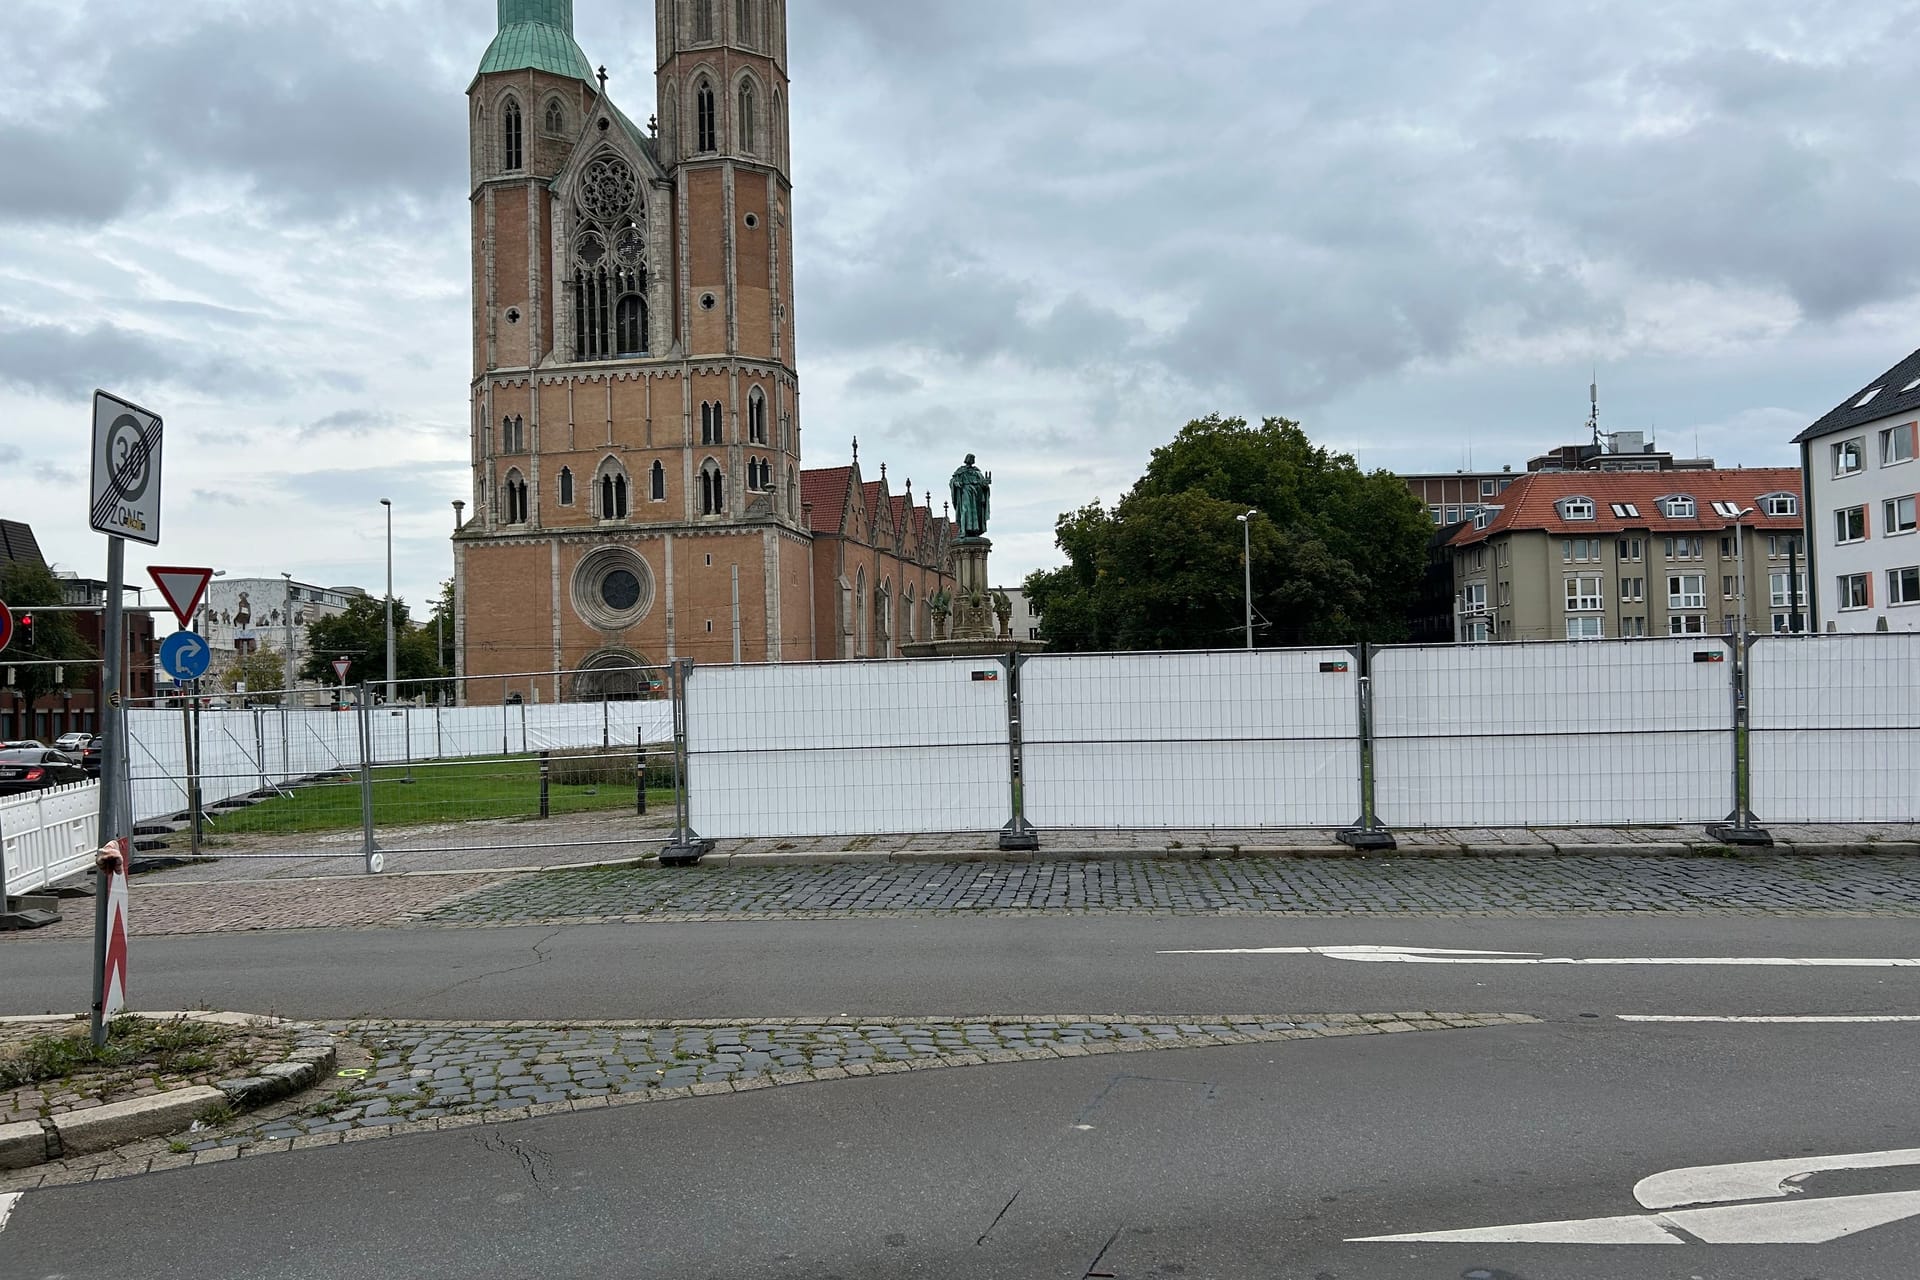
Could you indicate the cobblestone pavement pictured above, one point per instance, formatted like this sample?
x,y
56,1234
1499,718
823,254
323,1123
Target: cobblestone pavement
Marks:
x,y
1864,884
422,1077
335,904
224,1053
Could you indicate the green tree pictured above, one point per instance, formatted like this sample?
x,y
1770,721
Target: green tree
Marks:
x,y
263,672
1337,553
359,634
26,587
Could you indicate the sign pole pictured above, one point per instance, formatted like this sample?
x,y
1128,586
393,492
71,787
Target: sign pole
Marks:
x,y
112,801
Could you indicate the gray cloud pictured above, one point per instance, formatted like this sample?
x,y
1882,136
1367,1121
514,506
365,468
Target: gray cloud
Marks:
x,y
876,381
53,360
347,422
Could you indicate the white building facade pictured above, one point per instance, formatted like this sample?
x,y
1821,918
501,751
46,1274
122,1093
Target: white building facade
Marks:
x,y
1861,467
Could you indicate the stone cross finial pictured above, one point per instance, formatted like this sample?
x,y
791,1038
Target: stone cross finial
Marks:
x,y
856,448
883,471
603,79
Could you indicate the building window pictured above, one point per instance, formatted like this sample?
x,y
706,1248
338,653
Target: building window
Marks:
x,y
1474,632
1777,590
1849,457
713,489
1783,504
1684,548
1586,629
703,20
1624,510
1896,444
1687,591
512,145
1583,595
613,493
1633,589
709,128
630,326
1856,591
1453,515
1680,508
513,434
556,118
1486,488
1850,524
1473,599
712,422
1897,515
516,498
1903,585
745,123
743,22
1633,626
1577,509
1686,624
657,485
1436,515
1576,550
1629,549
1729,586
756,417
566,486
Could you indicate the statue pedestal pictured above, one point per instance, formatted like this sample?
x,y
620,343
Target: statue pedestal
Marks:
x,y
973,630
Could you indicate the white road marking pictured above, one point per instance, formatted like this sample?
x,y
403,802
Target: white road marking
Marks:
x,y
1440,955
1773,1220
7,1200
1783,1017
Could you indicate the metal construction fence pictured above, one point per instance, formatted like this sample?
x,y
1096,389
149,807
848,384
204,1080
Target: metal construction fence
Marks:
x,y
1834,728
46,836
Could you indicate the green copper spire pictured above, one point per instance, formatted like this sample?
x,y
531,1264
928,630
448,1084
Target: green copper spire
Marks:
x,y
536,34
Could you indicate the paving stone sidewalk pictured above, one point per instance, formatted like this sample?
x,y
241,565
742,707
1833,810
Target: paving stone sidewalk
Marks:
x,y
427,1077
1786,884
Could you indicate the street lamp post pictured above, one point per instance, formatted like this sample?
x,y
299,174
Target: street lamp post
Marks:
x,y
1740,560
1246,565
287,616
388,504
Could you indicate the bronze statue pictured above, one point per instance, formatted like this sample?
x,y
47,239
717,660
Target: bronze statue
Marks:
x,y
972,492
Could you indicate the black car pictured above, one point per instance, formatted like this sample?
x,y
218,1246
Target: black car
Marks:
x,y
91,756
35,770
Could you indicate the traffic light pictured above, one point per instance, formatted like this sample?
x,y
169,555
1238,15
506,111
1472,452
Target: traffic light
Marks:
x,y
24,625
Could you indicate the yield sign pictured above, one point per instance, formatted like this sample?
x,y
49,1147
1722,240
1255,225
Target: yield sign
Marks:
x,y
1719,1204
182,589
340,666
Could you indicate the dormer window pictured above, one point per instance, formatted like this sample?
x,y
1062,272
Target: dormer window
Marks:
x,y
1485,516
1731,510
1782,504
1679,508
1576,508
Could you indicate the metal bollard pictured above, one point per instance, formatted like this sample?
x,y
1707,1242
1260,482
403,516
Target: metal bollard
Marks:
x,y
546,780
640,772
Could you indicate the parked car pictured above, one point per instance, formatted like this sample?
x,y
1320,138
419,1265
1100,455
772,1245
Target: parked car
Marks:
x,y
33,770
72,743
91,755
21,744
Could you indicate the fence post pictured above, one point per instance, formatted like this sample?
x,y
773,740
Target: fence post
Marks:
x,y
1018,833
260,745
1741,829
1367,834
640,769
193,771
684,847
368,851
546,778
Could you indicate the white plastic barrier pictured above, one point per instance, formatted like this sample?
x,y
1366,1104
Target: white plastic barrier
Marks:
x,y
47,836
1262,738
848,748
1834,727
1631,732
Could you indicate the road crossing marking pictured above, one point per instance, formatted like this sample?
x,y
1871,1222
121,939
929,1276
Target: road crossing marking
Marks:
x,y
1777,1017
7,1200
1441,955
1699,1205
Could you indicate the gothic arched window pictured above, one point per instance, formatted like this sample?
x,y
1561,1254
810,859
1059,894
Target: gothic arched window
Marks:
x,y
556,117
712,422
513,434
613,491
566,486
658,491
746,115
709,128
512,147
516,498
743,22
630,326
713,489
756,417
703,20
776,136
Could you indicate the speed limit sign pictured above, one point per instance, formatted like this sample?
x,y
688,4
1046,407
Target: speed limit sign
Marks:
x,y
124,497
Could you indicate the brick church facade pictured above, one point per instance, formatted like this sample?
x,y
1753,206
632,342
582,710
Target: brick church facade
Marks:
x,y
638,493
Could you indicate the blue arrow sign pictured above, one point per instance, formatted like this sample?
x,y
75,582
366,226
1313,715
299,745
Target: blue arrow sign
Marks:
x,y
185,655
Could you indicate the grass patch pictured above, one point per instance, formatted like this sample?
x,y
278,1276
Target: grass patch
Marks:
x,y
218,1114
173,1047
463,792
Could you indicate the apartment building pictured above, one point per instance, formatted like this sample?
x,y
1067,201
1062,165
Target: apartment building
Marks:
x,y
1453,496
1862,486
1600,555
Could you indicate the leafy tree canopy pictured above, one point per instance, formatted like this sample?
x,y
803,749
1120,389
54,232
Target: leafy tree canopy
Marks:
x,y
1337,553
359,634
26,587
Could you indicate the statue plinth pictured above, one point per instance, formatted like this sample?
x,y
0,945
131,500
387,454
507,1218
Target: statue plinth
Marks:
x,y
973,629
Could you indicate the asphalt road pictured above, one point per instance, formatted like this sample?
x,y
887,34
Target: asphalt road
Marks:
x,y
978,965
1237,1163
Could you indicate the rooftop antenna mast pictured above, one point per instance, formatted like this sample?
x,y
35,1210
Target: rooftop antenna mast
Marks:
x,y
1593,413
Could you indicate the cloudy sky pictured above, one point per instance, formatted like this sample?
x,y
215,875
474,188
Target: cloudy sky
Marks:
x,y
1049,231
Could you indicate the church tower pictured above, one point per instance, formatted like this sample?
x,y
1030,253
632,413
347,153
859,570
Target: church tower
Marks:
x,y
635,425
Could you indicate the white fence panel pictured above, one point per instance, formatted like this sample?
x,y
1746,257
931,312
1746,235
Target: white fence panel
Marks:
x,y
1834,727
1262,738
47,836
1632,732
848,748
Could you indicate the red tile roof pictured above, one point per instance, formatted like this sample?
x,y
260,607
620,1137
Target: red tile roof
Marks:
x,y
870,494
825,488
1528,503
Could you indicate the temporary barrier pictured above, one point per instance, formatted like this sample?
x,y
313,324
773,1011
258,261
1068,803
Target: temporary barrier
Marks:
x,y
848,748
1630,732
1237,738
1834,727
46,836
